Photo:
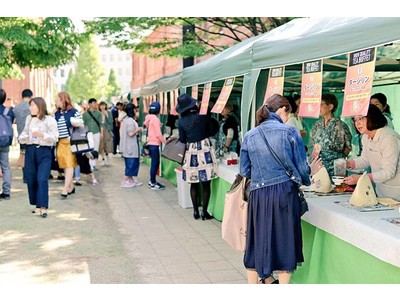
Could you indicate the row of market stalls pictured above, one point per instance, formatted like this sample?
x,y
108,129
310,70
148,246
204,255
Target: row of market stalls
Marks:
x,y
290,45
340,245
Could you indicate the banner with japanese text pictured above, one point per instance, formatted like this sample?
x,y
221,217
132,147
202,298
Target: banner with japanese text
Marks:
x,y
205,98
195,91
163,104
311,89
359,77
172,102
224,95
275,82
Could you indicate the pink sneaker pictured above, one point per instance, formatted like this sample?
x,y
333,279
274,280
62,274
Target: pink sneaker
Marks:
x,y
137,183
95,182
127,184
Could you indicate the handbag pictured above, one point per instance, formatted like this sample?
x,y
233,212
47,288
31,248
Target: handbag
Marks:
x,y
303,202
234,221
174,150
81,140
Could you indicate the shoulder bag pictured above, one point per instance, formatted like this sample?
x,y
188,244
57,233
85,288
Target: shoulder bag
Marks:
x,y
234,221
304,204
174,150
81,140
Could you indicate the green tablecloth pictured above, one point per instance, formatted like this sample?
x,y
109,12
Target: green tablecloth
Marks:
x,y
328,259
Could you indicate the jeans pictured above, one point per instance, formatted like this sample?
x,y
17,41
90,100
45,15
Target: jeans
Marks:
x,y
37,171
132,166
5,168
155,161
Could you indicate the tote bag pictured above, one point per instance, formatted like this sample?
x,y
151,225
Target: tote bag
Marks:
x,y
174,150
234,221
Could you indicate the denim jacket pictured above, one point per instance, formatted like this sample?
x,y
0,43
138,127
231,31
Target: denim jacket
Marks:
x,y
258,163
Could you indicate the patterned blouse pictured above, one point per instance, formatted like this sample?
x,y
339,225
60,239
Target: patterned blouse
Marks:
x,y
334,138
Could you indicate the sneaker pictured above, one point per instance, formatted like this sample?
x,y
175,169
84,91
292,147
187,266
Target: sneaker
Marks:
x,y
137,183
4,196
95,182
150,184
127,184
157,186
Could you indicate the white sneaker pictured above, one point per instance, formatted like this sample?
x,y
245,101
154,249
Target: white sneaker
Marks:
x,y
127,184
137,183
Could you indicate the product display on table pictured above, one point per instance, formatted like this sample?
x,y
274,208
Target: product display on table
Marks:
x,y
321,182
364,194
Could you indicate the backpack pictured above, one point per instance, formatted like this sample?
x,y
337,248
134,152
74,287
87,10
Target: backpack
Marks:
x,y
6,130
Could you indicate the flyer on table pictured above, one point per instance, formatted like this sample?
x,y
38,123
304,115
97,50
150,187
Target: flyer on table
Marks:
x,y
311,89
205,99
359,77
223,96
275,82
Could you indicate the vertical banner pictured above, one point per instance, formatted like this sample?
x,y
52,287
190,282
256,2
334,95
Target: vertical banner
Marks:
x,y
275,82
135,102
359,77
172,101
205,99
163,104
311,89
195,91
145,104
223,96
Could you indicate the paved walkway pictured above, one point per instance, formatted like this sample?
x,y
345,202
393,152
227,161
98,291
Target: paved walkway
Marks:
x,y
108,234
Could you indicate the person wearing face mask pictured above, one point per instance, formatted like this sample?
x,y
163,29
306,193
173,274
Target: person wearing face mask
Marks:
x,y
274,239
39,135
381,151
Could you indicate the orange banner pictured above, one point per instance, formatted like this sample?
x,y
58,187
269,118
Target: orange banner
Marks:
x,y
275,82
311,89
195,91
359,77
224,95
205,99
172,101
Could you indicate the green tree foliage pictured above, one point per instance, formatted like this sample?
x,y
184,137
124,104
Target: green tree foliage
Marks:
x,y
113,88
88,80
36,43
131,33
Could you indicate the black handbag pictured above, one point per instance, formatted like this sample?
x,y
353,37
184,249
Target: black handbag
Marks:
x,y
304,204
78,135
174,150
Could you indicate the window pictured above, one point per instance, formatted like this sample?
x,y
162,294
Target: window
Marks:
x,y
62,73
120,71
111,57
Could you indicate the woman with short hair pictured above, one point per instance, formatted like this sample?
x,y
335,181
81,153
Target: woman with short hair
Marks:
x,y
381,151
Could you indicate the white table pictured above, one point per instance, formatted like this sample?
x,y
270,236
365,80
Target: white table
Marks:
x,y
365,230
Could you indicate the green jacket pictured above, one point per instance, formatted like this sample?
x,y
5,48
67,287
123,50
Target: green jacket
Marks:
x,y
90,122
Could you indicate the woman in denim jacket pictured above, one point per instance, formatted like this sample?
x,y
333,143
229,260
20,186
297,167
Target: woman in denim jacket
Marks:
x,y
274,240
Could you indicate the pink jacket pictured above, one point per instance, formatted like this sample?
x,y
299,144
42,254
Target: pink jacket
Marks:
x,y
154,135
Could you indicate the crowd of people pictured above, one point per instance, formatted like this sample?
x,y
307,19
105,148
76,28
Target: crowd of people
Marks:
x,y
274,203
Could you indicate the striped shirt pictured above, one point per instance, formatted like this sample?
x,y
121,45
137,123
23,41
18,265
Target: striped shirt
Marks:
x,y
63,131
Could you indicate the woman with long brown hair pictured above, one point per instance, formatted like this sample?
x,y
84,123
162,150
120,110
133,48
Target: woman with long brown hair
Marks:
x,y
67,117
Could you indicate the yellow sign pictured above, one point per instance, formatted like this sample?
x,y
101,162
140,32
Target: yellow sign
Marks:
x,y
205,99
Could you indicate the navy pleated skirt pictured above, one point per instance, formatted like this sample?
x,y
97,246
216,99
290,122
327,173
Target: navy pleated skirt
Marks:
x,y
274,240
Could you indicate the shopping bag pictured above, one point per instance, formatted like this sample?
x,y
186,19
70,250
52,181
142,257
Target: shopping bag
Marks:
x,y
234,221
79,146
21,160
174,150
